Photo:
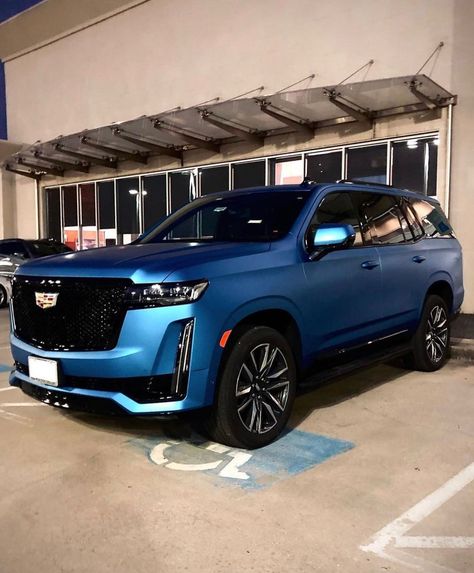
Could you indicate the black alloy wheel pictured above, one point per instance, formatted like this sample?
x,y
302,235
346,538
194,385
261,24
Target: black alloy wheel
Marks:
x,y
256,390
3,297
432,339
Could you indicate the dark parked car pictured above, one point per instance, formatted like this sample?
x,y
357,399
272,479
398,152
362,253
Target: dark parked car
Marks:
x,y
32,248
230,300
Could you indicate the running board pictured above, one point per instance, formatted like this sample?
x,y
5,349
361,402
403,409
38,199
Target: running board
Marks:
x,y
326,374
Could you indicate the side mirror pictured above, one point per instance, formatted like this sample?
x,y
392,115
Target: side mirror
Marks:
x,y
329,237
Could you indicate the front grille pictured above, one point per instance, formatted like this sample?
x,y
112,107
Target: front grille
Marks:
x,y
88,313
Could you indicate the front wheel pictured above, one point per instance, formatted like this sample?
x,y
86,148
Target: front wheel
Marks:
x,y
432,338
3,296
256,390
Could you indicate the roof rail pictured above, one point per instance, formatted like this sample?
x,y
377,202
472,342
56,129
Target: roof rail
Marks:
x,y
307,182
362,182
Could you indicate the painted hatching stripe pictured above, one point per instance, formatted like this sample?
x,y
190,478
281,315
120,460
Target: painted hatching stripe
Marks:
x,y
5,368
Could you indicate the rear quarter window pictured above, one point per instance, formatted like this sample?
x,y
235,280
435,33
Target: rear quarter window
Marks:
x,y
431,217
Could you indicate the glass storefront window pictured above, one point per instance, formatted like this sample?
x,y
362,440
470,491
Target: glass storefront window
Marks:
x,y
367,163
128,209
154,199
248,174
287,171
53,214
116,211
71,220
214,179
106,201
415,165
324,167
182,188
88,216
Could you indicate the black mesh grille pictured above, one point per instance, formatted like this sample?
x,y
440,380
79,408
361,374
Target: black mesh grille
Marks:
x,y
88,313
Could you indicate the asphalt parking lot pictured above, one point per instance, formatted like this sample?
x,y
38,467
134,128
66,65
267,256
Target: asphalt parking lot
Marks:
x,y
376,474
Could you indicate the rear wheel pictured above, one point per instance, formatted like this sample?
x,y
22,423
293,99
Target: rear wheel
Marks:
x,y
432,338
256,390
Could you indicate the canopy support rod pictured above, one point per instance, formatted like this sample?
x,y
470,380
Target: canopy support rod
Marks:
x,y
357,113
46,169
151,145
66,165
30,173
186,137
254,137
278,114
105,161
138,156
435,51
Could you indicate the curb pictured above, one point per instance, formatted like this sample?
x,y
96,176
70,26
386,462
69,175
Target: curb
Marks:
x,y
462,349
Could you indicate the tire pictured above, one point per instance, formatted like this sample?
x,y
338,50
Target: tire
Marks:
x,y
256,390
3,297
432,338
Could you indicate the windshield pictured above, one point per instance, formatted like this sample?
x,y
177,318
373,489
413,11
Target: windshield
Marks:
x,y
45,248
250,217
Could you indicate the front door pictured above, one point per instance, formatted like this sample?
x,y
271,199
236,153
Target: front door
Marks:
x,y
344,307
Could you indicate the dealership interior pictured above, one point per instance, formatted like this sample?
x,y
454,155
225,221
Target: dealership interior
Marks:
x,y
115,114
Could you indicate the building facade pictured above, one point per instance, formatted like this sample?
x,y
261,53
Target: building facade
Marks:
x,y
95,68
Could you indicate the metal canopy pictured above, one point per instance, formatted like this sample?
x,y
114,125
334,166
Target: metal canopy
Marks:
x,y
208,127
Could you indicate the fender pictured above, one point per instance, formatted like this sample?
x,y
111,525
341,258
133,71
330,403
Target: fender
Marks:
x,y
245,310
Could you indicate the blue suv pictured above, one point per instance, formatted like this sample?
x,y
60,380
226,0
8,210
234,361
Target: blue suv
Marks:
x,y
232,299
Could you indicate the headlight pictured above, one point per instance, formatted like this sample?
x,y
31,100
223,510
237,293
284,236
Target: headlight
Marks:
x,y
164,294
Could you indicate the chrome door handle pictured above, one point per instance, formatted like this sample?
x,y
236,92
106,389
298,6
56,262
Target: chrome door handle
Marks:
x,y
369,265
418,259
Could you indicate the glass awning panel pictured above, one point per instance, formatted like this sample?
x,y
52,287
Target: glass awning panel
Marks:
x,y
212,125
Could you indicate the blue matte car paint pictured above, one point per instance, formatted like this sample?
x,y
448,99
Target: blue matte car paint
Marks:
x,y
334,302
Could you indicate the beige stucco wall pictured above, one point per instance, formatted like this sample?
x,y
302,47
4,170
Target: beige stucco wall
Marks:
x,y
162,54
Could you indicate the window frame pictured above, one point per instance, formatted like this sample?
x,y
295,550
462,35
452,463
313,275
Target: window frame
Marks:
x,y
339,191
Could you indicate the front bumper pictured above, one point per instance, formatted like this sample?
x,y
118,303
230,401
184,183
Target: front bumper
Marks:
x,y
157,367
102,401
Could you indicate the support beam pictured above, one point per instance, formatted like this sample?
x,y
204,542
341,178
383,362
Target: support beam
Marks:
x,y
358,113
124,154
249,135
148,144
45,168
30,173
104,160
66,165
298,124
201,142
429,102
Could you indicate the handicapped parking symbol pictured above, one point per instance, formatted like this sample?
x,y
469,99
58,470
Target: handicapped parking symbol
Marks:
x,y
230,468
294,452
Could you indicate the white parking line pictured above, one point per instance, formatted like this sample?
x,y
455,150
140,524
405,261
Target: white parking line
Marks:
x,y
393,533
21,404
8,388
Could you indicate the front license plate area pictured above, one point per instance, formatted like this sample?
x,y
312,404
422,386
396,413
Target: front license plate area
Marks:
x,y
43,370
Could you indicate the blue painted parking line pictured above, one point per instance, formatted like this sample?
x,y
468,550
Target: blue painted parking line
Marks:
x,y
293,453
5,368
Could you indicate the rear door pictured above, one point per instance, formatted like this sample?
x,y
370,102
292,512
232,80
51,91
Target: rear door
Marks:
x,y
343,306
403,262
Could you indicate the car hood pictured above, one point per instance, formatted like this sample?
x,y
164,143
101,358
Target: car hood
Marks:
x,y
141,263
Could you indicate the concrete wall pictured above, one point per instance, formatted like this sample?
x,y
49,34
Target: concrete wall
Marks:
x,y
462,176
161,54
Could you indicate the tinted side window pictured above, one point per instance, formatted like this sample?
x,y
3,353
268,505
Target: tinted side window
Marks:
x,y
383,219
434,221
13,248
337,208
